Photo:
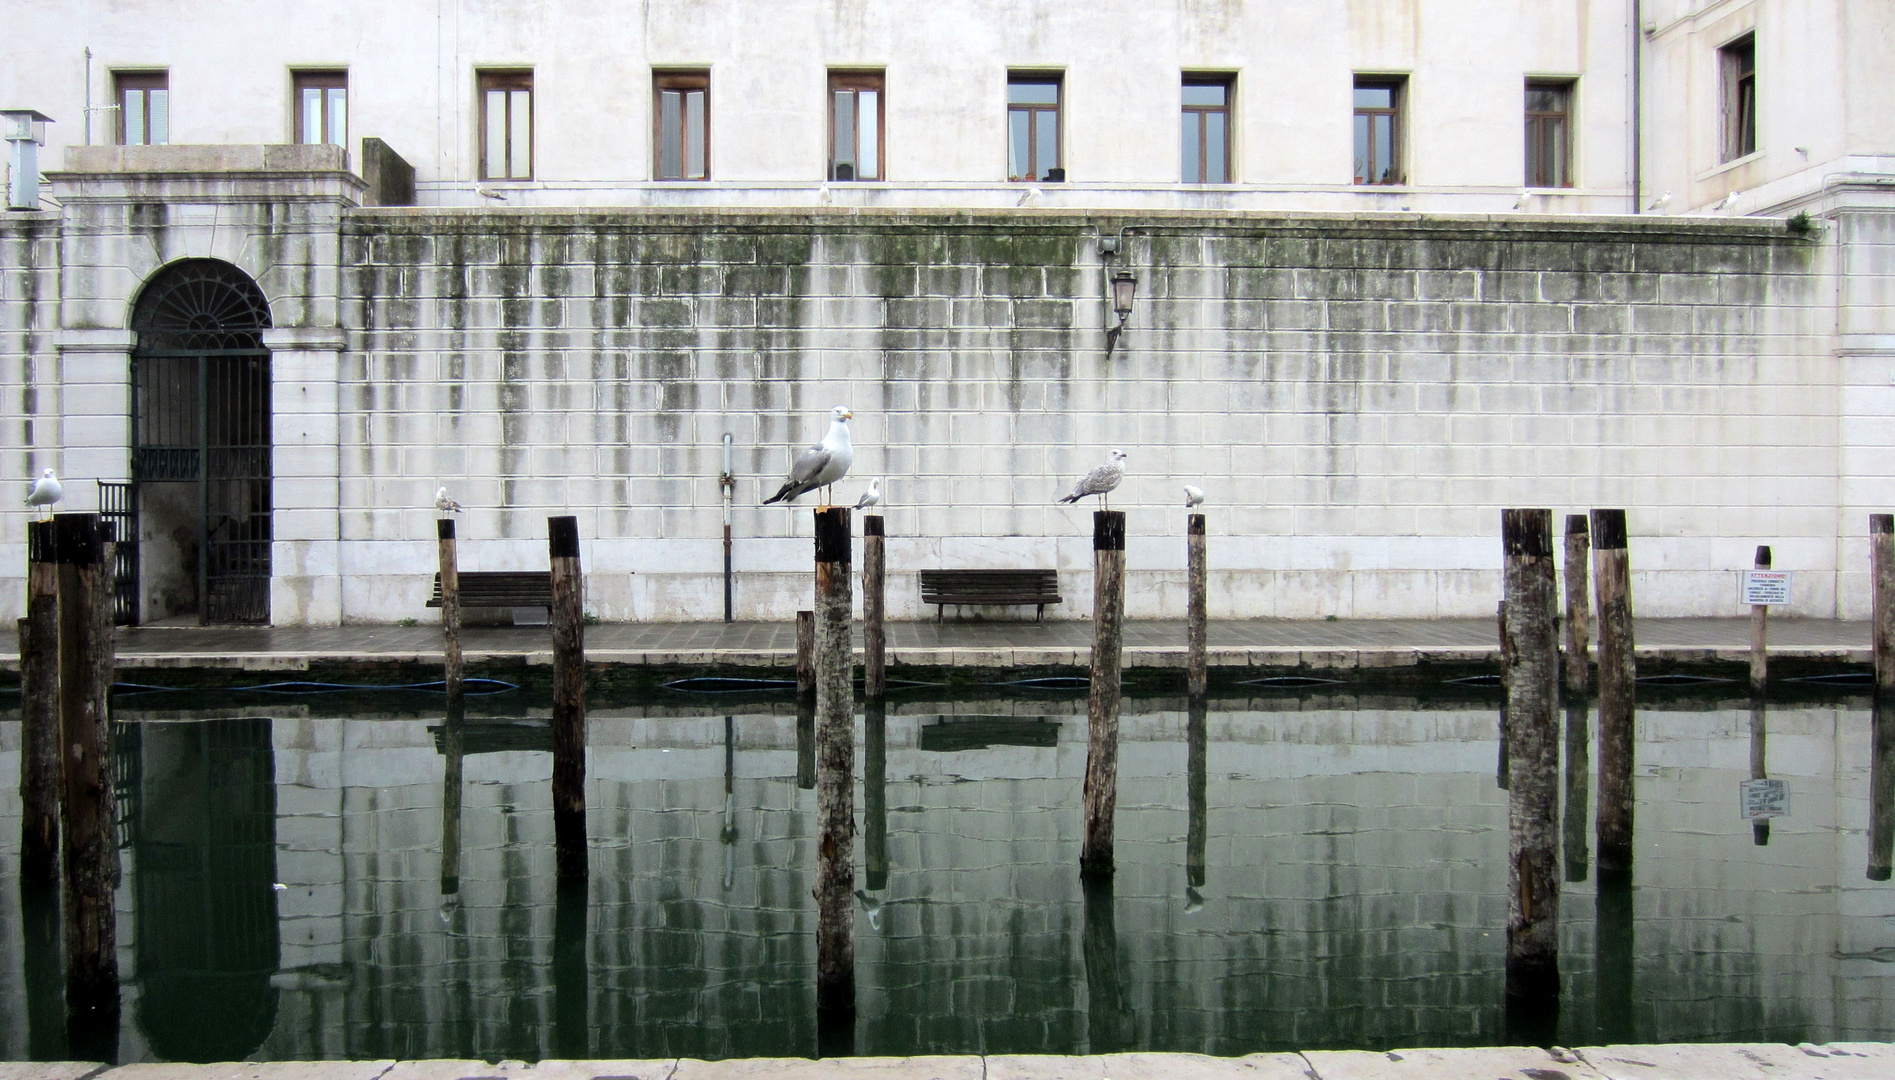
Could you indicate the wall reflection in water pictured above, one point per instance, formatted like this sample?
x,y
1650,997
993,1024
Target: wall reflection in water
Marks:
x,y
1303,878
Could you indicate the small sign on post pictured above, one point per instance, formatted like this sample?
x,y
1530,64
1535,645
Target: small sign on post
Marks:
x,y
1763,799
1766,586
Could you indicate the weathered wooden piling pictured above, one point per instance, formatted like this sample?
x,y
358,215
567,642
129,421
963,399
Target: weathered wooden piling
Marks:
x,y
805,654
453,728
1533,752
1760,634
1196,773
1502,771
1196,624
835,767
1618,680
1578,626
1102,702
88,805
1574,820
453,673
875,794
1882,582
569,698
874,635
39,711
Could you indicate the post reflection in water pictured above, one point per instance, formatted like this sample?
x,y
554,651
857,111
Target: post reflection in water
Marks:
x,y
1613,967
1577,821
1108,1023
1881,789
453,742
43,971
728,834
1197,738
875,795
806,742
1760,828
204,844
572,991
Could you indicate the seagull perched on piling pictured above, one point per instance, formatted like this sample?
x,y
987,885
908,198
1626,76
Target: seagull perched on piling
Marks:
x,y
1101,480
445,504
45,491
1193,496
871,497
822,464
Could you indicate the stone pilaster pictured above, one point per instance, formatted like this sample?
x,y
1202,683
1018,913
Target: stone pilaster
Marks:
x,y
305,578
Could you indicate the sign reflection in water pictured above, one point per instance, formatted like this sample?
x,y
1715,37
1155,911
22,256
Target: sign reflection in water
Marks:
x,y
1352,889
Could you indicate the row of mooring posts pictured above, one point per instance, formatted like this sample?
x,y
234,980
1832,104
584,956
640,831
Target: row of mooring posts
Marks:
x,y
69,849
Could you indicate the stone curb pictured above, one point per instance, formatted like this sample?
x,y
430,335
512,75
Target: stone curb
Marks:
x,y
1682,1061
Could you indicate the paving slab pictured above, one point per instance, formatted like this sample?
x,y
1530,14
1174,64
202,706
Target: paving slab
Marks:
x,y
50,1070
551,1069
254,1070
1717,1061
1853,1060
1145,1067
1461,1063
858,1068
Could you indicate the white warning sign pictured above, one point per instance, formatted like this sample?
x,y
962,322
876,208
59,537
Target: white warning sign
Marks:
x,y
1766,587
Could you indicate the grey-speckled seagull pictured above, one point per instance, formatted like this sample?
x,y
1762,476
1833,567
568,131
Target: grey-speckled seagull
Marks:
x,y
822,464
1101,480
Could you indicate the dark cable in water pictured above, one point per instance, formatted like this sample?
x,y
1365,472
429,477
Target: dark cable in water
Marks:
x,y
471,687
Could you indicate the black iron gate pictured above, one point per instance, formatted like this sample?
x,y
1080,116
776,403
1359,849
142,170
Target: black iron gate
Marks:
x,y
201,433
118,509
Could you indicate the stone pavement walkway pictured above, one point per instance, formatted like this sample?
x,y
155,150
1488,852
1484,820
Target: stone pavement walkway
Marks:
x,y
1688,1061
1274,643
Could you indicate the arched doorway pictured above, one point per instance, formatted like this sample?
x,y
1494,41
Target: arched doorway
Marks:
x,y
201,445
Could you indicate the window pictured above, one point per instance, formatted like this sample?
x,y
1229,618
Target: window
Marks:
x,y
144,107
855,126
322,106
1033,128
1549,134
682,123
1205,149
1737,66
506,125
1378,130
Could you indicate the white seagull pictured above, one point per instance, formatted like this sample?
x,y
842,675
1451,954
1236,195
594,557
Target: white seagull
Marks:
x,y
445,504
1730,202
1101,480
871,497
1658,205
45,491
1193,496
1526,196
822,464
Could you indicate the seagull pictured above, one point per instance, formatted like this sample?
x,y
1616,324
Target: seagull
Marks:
x,y
1031,197
824,195
1193,496
1526,196
1658,205
1101,480
45,491
871,497
1730,202
822,464
445,504
489,193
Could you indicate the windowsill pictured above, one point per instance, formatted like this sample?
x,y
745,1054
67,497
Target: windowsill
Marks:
x,y
1734,163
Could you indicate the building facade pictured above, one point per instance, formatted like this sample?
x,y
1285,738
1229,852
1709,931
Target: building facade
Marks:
x,y
1397,265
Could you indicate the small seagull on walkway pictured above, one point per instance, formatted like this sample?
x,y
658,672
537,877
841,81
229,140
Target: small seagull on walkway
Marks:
x,y
1658,205
489,193
1729,203
45,491
445,504
1526,197
871,497
1031,197
1101,480
1193,496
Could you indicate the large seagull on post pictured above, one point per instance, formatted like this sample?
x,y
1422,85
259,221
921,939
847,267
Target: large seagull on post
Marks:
x,y
1101,480
822,464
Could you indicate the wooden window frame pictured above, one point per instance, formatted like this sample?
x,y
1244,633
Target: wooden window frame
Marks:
x,y
506,79
1197,114
859,80
1035,174
682,80
1397,157
1737,95
147,80
325,79
1536,121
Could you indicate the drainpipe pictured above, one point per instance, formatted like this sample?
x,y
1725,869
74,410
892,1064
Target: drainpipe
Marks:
x,y
1638,103
729,484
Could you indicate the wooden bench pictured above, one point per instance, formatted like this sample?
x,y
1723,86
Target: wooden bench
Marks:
x,y
971,587
501,588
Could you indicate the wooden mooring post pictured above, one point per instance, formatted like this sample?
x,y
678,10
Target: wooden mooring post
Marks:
x,y
874,634
1502,770
39,712
1760,634
1574,820
1578,626
453,728
1196,624
569,698
1618,683
806,700
453,673
1102,701
835,770
1533,752
805,654
1882,714
88,805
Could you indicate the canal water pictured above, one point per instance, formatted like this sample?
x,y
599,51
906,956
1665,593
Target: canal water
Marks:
x,y
1341,883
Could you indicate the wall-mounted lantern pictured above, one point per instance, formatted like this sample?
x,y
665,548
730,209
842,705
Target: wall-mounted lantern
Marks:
x,y
26,130
1124,288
